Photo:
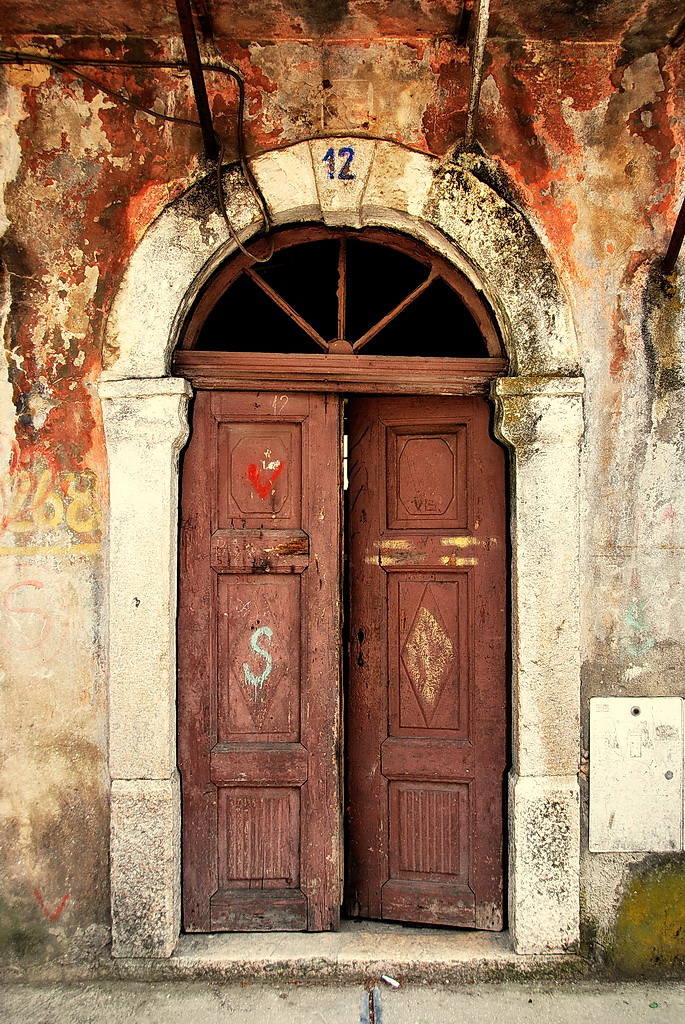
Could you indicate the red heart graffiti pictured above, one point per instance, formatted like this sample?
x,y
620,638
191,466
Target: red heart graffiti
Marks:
x,y
261,481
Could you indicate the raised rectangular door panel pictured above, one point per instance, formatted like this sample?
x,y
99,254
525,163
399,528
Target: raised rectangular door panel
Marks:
x,y
426,706
258,651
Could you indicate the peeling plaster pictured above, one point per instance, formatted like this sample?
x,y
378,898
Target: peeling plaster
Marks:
x,y
10,162
580,171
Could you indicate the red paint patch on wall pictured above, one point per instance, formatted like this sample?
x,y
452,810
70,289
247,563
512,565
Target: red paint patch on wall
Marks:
x,y
534,128
77,207
444,121
620,348
144,207
52,915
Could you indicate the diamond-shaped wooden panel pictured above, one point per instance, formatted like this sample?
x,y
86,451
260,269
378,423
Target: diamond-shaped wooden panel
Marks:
x,y
429,659
428,654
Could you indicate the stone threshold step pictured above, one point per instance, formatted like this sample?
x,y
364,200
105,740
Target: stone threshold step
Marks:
x,y
359,952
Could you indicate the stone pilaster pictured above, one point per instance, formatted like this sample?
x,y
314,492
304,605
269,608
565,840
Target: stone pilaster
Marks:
x,y
541,421
146,426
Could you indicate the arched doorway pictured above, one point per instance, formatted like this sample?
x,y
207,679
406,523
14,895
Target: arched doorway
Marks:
x,y
369,336
539,415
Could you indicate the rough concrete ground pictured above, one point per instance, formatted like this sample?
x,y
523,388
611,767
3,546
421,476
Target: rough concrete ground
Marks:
x,y
117,1002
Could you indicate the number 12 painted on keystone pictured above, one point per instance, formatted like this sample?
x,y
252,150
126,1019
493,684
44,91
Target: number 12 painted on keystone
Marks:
x,y
345,174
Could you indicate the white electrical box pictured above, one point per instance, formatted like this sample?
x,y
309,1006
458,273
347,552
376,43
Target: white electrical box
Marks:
x,y
636,774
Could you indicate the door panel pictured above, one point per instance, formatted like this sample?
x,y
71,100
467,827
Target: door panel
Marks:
x,y
258,644
426,709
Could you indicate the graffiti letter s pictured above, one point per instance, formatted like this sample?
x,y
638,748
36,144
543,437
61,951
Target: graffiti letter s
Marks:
x,y
257,682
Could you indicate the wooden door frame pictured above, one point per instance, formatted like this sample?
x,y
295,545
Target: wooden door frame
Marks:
x,y
337,374
240,373
538,415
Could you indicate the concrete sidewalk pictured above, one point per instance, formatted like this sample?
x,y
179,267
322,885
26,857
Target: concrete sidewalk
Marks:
x,y
180,1002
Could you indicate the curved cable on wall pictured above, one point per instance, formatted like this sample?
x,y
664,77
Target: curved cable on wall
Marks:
x,y
71,66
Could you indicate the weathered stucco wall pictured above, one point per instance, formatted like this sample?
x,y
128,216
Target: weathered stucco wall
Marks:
x,y
586,139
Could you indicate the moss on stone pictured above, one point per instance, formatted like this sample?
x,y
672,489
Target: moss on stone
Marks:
x,y
19,939
649,933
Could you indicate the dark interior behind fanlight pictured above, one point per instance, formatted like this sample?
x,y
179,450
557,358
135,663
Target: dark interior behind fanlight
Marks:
x,y
436,323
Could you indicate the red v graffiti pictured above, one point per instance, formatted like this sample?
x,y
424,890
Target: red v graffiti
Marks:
x,y
55,914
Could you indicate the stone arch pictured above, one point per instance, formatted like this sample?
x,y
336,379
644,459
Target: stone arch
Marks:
x,y
539,417
446,206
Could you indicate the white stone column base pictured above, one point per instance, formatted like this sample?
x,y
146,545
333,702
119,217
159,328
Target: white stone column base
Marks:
x,y
145,838
544,869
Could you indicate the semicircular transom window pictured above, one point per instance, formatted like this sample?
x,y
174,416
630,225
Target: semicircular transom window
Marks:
x,y
369,292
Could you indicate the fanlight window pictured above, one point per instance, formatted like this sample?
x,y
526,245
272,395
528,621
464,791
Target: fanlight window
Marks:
x,y
370,292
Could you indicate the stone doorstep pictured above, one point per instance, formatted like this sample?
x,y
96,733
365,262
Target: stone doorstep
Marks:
x,y
359,952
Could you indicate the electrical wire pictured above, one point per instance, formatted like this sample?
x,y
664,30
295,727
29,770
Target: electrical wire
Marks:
x,y
63,64
249,176
278,147
224,213
14,57
71,65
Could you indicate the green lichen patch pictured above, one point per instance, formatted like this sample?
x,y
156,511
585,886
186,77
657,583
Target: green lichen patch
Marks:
x,y
21,939
649,934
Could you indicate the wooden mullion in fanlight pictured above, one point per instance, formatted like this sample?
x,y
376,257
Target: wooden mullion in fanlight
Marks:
x,y
287,308
399,308
341,293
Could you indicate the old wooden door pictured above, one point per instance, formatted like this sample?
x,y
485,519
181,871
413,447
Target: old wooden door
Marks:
x,y
258,648
425,723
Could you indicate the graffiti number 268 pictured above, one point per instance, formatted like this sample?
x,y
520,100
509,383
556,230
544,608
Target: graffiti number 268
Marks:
x,y
347,155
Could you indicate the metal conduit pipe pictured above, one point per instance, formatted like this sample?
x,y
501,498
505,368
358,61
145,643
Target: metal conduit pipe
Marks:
x,y
185,17
673,251
477,59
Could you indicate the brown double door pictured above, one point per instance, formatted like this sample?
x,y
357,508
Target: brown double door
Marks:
x,y
261,748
